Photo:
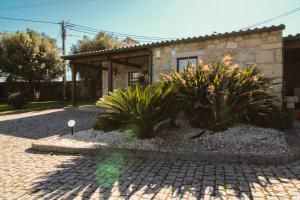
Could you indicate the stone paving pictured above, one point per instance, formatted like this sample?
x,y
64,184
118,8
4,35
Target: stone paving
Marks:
x,y
31,175
38,124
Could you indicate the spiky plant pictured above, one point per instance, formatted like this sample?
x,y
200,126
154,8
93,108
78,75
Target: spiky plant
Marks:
x,y
139,109
219,93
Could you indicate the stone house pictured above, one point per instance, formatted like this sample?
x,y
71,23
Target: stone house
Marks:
x,y
122,67
130,42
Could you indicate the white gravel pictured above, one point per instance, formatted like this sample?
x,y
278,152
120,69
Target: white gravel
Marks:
x,y
241,139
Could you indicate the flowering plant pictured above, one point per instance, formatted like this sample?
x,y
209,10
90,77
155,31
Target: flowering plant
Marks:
x,y
217,94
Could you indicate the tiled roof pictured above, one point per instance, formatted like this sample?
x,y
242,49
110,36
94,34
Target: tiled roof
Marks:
x,y
169,42
292,37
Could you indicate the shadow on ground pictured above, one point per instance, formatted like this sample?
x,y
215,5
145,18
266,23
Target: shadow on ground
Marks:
x,y
116,176
41,124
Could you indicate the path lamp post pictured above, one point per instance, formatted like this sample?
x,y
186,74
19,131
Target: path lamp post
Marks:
x,y
71,125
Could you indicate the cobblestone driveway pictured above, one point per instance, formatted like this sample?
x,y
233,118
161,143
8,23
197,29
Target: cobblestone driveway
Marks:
x,y
31,175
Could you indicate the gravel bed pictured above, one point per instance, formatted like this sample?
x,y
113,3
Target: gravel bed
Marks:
x,y
242,139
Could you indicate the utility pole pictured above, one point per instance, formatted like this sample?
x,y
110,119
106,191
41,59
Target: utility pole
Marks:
x,y
63,39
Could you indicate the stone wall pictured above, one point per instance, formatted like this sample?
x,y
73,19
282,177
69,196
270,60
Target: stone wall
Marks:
x,y
263,49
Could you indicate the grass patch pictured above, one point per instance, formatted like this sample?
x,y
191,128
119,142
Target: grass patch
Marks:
x,y
4,107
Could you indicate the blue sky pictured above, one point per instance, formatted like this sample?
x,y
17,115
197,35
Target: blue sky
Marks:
x,y
161,18
155,18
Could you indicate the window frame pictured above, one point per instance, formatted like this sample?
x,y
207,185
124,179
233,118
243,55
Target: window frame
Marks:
x,y
128,83
185,58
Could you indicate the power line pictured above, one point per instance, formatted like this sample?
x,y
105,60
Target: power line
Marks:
x,y
140,39
82,31
94,33
273,18
58,34
53,3
28,5
85,28
71,35
29,20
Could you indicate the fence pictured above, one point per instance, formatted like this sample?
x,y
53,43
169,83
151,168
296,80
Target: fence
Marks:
x,y
49,91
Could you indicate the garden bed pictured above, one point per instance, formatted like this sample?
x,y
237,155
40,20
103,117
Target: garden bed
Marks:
x,y
241,143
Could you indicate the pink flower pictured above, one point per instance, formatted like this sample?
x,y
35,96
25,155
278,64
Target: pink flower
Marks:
x,y
227,59
206,68
235,67
200,62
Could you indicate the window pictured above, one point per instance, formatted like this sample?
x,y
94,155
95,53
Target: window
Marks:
x,y
133,78
183,62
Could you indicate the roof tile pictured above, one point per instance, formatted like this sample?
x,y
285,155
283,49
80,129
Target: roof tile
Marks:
x,y
169,42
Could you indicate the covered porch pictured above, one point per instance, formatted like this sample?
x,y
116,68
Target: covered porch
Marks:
x,y
117,68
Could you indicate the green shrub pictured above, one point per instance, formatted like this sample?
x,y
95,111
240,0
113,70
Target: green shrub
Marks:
x,y
216,95
138,109
270,117
17,100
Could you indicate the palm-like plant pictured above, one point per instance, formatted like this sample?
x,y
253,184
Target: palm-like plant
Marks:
x,y
137,107
218,94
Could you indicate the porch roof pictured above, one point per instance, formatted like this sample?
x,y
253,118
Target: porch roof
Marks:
x,y
292,37
292,41
170,42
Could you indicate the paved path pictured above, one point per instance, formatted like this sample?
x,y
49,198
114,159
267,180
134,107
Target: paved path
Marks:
x,y
31,175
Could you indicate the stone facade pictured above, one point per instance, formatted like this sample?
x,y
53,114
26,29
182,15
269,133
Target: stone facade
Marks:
x,y
120,79
263,49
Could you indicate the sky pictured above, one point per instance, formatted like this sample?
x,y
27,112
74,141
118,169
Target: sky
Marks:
x,y
152,18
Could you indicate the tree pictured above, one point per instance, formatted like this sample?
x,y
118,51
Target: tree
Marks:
x,y
90,76
100,42
29,57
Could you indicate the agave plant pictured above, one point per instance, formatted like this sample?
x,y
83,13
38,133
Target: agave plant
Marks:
x,y
217,94
138,108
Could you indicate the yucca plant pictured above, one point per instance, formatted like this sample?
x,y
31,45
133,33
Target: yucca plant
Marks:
x,y
137,108
218,94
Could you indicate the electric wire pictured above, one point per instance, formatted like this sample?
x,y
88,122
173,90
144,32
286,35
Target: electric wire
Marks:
x,y
85,28
53,3
273,18
29,20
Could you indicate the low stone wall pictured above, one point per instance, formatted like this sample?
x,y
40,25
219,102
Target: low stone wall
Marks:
x,y
263,49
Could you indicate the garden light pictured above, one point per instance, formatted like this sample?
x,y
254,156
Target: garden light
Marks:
x,y
71,124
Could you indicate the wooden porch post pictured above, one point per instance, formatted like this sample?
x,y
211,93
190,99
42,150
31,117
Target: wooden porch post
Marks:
x,y
73,88
100,80
110,76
